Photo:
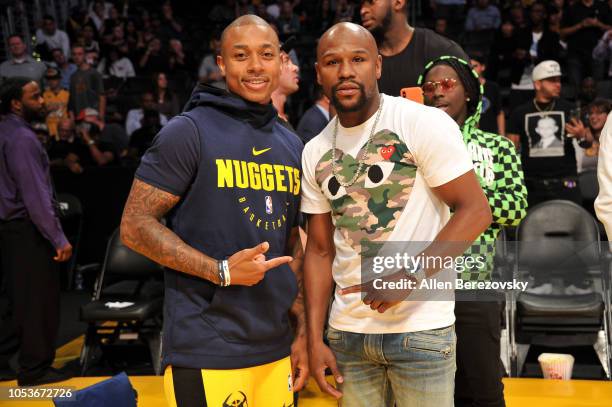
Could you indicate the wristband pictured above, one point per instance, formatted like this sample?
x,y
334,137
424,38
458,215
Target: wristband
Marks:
x,y
226,272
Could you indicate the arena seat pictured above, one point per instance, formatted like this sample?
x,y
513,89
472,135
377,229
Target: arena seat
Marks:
x,y
559,243
132,279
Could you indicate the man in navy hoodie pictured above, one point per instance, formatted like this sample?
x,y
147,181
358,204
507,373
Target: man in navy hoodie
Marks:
x,y
226,176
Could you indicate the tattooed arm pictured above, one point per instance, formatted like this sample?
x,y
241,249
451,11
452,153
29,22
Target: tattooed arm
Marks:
x,y
143,232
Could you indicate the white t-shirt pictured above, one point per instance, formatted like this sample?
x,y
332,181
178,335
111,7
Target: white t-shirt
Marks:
x,y
415,148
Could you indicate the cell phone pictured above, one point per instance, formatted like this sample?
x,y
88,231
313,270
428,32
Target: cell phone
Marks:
x,y
414,93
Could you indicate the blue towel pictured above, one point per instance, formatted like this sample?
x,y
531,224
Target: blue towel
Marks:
x,y
114,392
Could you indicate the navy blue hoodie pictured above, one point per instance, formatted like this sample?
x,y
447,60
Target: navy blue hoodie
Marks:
x,y
237,171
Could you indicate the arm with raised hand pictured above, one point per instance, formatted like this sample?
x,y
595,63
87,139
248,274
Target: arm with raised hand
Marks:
x,y
143,232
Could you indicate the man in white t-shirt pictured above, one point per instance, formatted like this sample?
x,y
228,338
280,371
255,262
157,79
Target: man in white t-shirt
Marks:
x,y
398,168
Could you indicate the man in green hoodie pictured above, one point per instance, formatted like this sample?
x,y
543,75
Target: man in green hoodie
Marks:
x,y
450,84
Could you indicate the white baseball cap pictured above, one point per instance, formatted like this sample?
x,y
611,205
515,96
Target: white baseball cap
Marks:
x,y
545,70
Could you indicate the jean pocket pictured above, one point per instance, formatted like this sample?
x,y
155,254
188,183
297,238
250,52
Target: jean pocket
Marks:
x,y
433,343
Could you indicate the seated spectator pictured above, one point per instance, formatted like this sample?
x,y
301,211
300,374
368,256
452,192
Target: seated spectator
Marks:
x,y
171,26
143,137
20,63
166,100
502,52
441,27
56,101
587,137
98,13
209,72
583,25
153,59
116,64
65,68
517,17
134,116
78,19
603,51
89,42
288,23
587,92
324,17
68,148
49,37
132,36
101,151
482,17
492,118
178,60
314,119
345,12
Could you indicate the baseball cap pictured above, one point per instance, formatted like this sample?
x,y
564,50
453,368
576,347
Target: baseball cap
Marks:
x,y
87,112
545,70
52,73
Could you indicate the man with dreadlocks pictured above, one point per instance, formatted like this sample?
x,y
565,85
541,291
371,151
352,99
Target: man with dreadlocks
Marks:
x,y
450,84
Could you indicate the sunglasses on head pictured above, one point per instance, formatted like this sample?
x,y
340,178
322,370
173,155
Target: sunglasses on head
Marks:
x,y
446,85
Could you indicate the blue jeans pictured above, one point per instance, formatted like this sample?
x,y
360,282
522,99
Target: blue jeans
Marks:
x,y
414,369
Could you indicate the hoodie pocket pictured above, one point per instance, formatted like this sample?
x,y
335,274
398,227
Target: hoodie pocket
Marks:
x,y
259,313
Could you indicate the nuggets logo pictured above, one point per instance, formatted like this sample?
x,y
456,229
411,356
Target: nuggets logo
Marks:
x,y
237,399
269,177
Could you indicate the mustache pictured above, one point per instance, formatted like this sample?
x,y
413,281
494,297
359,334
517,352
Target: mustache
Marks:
x,y
337,85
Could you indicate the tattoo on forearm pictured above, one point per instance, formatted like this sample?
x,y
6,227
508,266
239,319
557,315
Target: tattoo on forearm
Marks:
x,y
142,231
297,309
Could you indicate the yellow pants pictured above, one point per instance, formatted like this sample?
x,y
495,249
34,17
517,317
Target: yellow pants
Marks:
x,y
268,385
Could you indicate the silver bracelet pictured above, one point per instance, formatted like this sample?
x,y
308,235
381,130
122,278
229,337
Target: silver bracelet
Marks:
x,y
226,272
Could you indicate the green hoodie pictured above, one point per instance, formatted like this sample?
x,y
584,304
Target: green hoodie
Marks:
x,y
498,168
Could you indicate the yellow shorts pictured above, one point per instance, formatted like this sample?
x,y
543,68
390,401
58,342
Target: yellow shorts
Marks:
x,y
267,385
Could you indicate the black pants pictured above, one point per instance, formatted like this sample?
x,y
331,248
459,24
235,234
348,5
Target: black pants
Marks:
x,y
479,369
29,313
546,189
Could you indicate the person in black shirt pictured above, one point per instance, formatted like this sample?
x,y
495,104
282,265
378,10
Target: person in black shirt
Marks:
x,y
492,118
143,137
405,50
547,152
582,26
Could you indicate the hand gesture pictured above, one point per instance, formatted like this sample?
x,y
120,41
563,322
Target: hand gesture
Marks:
x,y
63,253
321,357
575,128
378,296
299,363
249,266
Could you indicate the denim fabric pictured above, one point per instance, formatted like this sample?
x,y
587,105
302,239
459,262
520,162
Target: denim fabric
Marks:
x,y
415,369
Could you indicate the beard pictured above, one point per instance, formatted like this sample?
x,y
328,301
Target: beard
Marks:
x,y
379,31
31,115
360,104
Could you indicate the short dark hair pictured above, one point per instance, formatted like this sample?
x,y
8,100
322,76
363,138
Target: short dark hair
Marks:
x,y
602,104
11,89
478,57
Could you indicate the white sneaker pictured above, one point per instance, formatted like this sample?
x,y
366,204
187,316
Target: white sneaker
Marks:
x,y
573,290
545,289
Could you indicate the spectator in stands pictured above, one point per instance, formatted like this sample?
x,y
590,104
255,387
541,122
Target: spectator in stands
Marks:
x,y
143,137
167,102
453,11
171,27
324,17
345,12
262,11
117,65
603,203
587,137
134,116
223,14
517,17
65,68
555,17
132,36
405,50
49,37
153,59
492,117
501,53
603,51
179,61
20,63
99,152
79,18
587,92
68,148
109,135
86,86
288,23
98,14
532,45
209,72
89,42
56,100
288,84
314,119
31,241
441,27
547,153
482,17
582,26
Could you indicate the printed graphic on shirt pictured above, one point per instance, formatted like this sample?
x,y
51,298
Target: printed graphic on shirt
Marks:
x,y
368,210
546,134
482,157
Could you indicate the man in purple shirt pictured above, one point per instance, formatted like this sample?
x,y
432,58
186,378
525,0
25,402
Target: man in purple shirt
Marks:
x,y
31,240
